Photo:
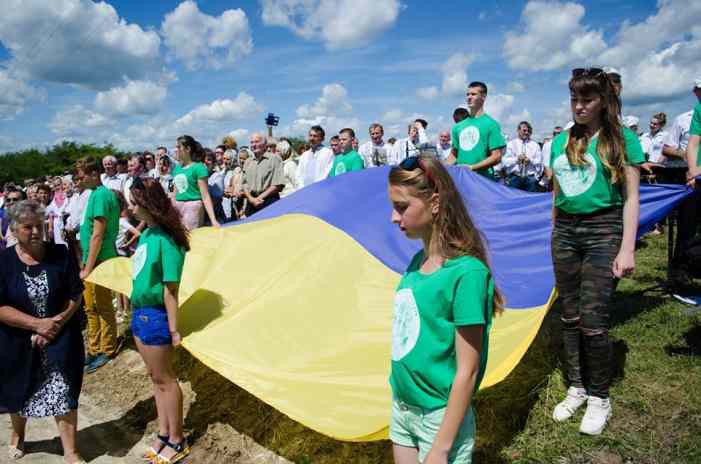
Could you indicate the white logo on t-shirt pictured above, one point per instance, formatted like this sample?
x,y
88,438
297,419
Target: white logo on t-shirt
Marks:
x,y
139,259
574,180
406,324
469,137
180,182
340,169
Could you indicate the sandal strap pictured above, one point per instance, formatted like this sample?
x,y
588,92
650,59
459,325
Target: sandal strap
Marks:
x,y
178,447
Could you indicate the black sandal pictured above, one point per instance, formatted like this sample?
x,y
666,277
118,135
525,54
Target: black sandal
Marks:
x,y
181,449
151,453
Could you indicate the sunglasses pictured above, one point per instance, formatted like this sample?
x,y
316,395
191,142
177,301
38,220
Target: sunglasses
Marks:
x,y
11,200
590,72
414,162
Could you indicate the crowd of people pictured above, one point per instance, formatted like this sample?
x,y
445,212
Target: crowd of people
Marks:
x,y
146,204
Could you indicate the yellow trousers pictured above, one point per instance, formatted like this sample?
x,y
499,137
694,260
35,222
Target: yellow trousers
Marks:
x,y
102,324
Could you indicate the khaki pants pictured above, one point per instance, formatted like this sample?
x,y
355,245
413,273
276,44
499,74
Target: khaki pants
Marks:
x,y
102,324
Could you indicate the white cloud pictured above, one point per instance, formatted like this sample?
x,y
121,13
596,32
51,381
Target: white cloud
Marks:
x,y
333,101
658,57
516,87
337,23
200,40
393,116
79,122
243,106
136,97
241,135
427,93
455,74
76,41
499,106
551,37
14,95
514,118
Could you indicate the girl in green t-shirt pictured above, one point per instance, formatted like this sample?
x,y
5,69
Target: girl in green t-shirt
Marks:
x,y
157,268
192,197
442,315
595,212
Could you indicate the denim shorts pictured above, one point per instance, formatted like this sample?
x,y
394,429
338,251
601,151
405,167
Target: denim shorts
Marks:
x,y
150,325
416,427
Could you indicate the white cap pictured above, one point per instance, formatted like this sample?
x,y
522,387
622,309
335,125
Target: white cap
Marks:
x,y
630,121
610,70
697,83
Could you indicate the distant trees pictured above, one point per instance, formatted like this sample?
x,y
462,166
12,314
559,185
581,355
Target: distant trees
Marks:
x,y
60,159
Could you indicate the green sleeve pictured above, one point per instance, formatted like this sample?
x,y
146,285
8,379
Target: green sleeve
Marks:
x,y
496,139
357,164
454,137
172,260
634,151
101,203
471,295
201,171
695,128
557,146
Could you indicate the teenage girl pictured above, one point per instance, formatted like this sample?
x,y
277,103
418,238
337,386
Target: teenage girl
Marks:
x,y
443,311
596,207
190,181
157,268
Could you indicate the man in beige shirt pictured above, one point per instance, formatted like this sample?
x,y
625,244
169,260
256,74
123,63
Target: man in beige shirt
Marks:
x,y
263,176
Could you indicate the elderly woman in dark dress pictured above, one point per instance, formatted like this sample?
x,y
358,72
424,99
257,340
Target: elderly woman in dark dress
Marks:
x,y
41,346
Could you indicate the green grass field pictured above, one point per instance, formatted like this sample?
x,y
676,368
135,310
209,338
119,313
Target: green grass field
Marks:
x,y
656,394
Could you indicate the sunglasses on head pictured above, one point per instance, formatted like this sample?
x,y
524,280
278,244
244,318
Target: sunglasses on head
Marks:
x,y
590,72
414,162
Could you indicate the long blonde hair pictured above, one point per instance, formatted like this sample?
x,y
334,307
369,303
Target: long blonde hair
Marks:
x,y
610,146
453,229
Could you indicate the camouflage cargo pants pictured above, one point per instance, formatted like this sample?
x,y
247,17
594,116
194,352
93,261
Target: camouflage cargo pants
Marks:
x,y
583,250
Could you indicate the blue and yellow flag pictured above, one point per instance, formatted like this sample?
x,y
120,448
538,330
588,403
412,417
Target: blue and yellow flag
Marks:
x,y
295,304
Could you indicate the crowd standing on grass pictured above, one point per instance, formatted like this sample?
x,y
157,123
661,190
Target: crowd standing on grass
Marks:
x,y
56,230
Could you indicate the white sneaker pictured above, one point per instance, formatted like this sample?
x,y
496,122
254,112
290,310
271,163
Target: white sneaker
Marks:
x,y
598,412
575,398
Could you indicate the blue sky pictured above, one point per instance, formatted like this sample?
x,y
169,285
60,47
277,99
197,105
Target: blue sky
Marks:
x,y
138,74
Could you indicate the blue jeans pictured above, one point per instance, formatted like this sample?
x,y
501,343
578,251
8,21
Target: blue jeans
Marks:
x,y
528,183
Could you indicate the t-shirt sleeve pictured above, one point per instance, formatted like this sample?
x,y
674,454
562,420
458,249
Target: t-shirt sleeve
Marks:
x,y
357,164
496,139
634,152
172,260
454,137
100,204
471,296
201,171
695,128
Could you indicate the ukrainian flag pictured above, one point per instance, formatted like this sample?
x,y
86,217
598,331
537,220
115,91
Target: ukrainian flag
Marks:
x,y
295,304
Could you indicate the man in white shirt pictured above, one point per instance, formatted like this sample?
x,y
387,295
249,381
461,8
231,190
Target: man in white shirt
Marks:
x,y
110,178
410,146
136,167
653,140
523,160
315,163
443,146
374,151
677,139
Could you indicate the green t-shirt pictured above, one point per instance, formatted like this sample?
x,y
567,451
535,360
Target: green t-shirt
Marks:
x,y
427,311
586,189
157,260
185,181
101,204
695,129
346,162
475,138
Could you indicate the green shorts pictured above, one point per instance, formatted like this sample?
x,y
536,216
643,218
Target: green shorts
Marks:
x,y
416,427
